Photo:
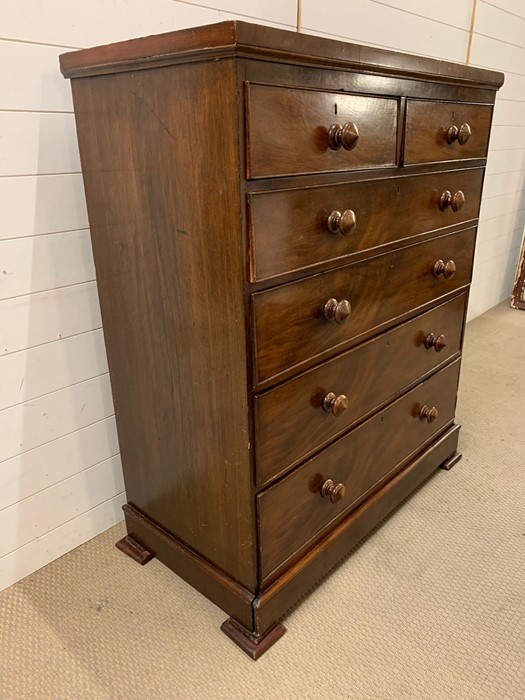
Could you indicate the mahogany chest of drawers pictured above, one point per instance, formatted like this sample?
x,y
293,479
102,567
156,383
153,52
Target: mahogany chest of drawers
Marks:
x,y
283,229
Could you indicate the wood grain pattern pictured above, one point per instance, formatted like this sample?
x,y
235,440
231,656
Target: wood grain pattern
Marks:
x,y
292,512
290,420
244,39
426,131
277,598
289,323
217,586
172,304
280,143
242,337
289,227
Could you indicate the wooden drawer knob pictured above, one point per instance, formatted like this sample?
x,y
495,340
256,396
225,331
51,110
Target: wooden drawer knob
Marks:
x,y
341,223
336,404
335,492
428,414
338,311
455,201
447,269
345,136
460,135
437,342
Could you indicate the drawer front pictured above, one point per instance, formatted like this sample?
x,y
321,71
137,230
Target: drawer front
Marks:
x,y
290,321
293,511
430,134
288,131
293,229
295,419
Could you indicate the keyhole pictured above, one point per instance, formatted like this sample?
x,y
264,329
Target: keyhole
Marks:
x,y
335,108
453,116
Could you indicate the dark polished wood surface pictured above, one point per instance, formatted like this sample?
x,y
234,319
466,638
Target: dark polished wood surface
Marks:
x,y
280,144
234,38
289,324
278,596
290,420
427,125
283,350
293,511
290,228
175,337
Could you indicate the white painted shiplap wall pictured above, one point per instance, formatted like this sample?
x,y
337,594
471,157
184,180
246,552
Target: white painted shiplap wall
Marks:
x,y
60,475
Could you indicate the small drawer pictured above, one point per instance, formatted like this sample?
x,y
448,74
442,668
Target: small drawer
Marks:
x,y
293,229
304,503
304,414
309,318
442,131
292,131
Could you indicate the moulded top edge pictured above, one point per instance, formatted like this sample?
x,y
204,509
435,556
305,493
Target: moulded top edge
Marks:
x,y
234,38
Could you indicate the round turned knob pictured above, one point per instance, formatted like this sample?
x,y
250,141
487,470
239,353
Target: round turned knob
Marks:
x,y
455,201
336,404
437,342
335,492
458,200
338,311
345,136
447,269
341,223
428,414
465,132
452,133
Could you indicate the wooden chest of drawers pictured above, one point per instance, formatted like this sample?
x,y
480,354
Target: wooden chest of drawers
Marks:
x,y
283,229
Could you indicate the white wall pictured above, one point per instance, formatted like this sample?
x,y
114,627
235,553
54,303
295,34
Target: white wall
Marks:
x,y
60,475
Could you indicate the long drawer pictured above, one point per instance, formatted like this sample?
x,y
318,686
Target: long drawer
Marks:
x,y
304,503
442,131
292,229
304,319
296,418
289,131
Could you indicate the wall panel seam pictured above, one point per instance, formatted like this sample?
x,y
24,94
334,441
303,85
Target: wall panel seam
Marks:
x,y
69,520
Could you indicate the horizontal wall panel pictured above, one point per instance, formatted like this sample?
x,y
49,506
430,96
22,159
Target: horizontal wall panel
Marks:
x,y
260,11
37,83
513,7
368,22
39,468
509,113
457,13
41,204
223,16
498,55
495,22
504,224
497,242
505,161
31,373
36,515
499,206
41,318
496,185
82,24
39,263
41,420
35,142
513,88
41,551
507,137
498,272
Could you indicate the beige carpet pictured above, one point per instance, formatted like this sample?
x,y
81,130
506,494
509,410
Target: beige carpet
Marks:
x,y
431,606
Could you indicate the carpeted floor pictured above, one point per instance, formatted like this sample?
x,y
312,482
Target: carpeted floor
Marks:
x,y
431,606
